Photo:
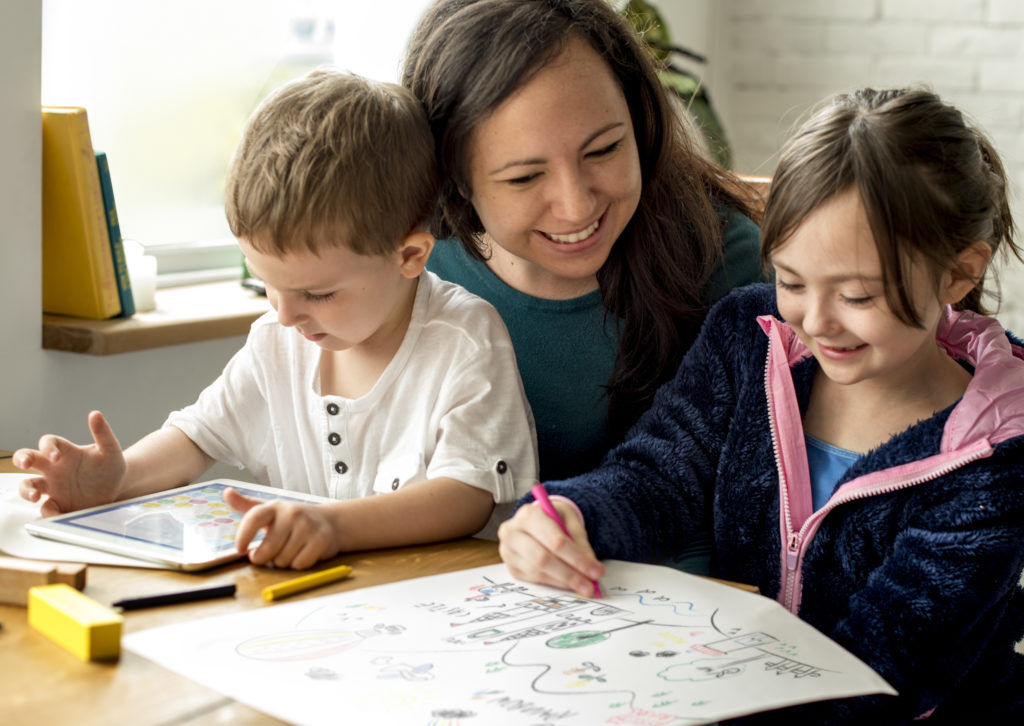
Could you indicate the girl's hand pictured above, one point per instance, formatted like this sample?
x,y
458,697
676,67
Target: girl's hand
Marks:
x,y
298,534
535,549
73,477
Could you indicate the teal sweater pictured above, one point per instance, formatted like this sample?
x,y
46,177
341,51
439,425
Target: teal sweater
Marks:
x,y
566,349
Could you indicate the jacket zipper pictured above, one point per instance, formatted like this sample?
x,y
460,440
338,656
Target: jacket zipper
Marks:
x,y
800,540
797,540
786,526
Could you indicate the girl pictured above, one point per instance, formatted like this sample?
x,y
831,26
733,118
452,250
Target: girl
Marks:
x,y
863,459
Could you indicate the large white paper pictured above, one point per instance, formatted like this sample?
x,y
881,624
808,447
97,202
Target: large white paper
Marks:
x,y
15,512
478,647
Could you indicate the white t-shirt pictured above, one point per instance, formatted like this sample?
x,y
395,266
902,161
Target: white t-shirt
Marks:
x,y
449,404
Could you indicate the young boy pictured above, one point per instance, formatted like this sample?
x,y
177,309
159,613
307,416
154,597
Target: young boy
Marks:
x,y
371,376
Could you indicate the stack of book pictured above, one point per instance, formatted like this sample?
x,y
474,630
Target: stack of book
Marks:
x,y
85,273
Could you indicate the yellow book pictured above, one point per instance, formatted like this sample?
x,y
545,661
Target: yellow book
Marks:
x,y
78,266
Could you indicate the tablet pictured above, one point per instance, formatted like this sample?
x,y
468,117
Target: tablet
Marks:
x,y
188,528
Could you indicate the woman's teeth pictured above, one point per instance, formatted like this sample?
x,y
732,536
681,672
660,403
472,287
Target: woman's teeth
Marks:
x,y
575,236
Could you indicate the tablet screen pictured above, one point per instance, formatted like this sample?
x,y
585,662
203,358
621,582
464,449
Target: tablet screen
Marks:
x,y
191,520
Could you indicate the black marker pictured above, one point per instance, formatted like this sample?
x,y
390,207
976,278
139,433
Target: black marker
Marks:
x,y
172,598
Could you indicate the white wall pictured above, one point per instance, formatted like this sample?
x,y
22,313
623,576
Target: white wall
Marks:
x,y
49,391
689,22
772,60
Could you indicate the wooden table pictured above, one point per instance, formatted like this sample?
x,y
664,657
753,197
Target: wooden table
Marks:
x,y
42,684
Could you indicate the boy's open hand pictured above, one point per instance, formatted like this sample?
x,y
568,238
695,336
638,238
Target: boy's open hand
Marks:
x,y
536,549
73,477
298,534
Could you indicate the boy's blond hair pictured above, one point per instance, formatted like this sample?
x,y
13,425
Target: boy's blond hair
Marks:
x,y
332,159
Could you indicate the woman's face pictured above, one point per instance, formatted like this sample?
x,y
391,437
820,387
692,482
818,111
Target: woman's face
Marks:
x,y
555,176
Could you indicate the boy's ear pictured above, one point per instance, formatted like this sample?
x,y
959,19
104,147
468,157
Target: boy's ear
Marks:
x,y
414,252
967,271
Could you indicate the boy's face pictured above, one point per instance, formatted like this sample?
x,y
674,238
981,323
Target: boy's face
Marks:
x,y
337,299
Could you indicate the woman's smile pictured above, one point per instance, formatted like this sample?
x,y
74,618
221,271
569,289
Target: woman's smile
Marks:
x,y
574,237
555,176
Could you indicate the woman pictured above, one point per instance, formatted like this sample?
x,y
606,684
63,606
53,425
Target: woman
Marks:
x,y
576,206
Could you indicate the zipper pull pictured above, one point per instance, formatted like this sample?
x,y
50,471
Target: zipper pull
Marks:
x,y
792,552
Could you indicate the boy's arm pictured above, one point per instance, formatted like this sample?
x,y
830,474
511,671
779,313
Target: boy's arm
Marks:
x,y
73,477
430,511
161,460
298,535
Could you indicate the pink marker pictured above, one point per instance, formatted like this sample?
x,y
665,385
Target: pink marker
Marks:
x,y
541,495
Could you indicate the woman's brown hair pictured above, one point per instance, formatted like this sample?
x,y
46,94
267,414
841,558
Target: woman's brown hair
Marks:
x,y
467,56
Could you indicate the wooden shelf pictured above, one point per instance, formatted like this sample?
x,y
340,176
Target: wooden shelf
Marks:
x,y
187,314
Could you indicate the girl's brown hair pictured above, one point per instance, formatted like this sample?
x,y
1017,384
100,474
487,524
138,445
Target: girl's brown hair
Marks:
x,y
930,182
467,56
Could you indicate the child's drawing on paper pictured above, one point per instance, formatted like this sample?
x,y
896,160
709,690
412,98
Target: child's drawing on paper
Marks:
x,y
661,647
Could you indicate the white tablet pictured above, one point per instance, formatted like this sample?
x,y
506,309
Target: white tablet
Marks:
x,y
188,528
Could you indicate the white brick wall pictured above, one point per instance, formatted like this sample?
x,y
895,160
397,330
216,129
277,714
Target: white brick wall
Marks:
x,y
1005,11
772,60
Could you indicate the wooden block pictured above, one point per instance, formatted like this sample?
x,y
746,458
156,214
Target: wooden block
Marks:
x,y
18,575
71,573
75,621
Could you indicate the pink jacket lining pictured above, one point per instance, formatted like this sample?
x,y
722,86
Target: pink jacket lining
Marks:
x,y
988,413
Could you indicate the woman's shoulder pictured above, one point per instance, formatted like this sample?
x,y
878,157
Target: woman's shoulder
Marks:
x,y
738,227
450,261
740,263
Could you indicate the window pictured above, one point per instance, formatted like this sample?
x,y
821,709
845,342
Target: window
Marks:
x,y
168,87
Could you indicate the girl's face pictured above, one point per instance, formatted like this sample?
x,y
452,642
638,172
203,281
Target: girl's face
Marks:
x,y
555,175
829,280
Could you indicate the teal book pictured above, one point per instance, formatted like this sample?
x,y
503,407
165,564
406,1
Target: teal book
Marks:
x,y
124,285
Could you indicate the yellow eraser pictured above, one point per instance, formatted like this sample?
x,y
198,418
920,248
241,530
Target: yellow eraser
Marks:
x,y
75,621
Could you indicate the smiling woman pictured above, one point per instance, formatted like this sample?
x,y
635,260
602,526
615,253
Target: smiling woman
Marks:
x,y
575,203
555,176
